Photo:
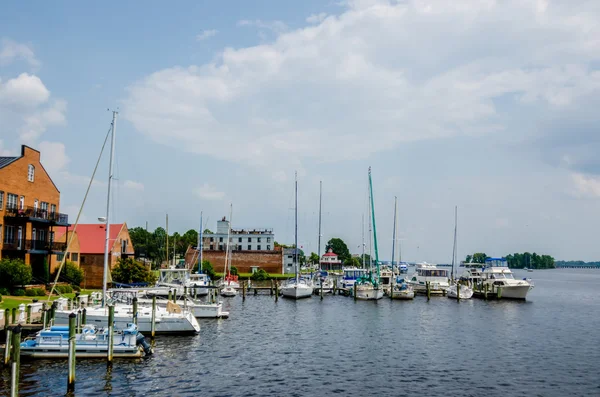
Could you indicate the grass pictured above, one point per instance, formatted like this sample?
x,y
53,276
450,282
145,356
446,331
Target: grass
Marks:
x,y
8,302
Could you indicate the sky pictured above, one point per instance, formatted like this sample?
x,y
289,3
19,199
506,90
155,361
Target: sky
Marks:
x,y
489,106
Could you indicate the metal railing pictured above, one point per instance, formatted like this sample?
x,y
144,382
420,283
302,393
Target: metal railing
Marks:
x,y
33,245
36,213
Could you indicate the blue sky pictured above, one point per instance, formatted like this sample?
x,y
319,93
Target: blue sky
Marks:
x,y
491,106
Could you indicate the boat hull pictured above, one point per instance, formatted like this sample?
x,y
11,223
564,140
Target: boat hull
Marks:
x,y
296,292
368,293
81,352
465,292
403,295
515,292
199,310
229,292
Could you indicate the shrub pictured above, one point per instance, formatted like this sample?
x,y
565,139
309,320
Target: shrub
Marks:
x,y
0,298
234,270
19,292
76,288
14,272
40,292
207,268
130,271
260,275
4,291
70,273
31,292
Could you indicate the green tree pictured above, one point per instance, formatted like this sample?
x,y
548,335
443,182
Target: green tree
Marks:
x,y
313,258
360,261
260,275
234,270
207,268
70,273
354,261
129,271
14,272
479,257
469,258
207,231
338,246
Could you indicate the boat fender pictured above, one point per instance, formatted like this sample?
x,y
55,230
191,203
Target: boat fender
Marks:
x,y
141,341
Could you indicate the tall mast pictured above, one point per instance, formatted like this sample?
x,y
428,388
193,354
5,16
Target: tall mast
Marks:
x,y
200,243
167,248
227,261
394,237
454,247
374,226
319,243
363,240
296,225
107,226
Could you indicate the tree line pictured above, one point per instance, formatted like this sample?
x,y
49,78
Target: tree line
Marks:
x,y
518,260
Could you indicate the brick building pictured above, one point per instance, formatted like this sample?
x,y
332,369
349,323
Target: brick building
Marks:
x,y
63,236
91,239
29,212
244,261
240,239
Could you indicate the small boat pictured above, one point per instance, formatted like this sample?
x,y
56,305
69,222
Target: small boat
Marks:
x,y
530,270
199,309
403,268
323,279
455,292
92,342
402,290
228,291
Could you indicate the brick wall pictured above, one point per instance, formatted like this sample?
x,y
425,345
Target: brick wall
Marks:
x,y
93,270
73,249
269,261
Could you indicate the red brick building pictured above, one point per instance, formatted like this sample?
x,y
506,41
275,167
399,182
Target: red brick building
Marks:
x,y
29,212
244,261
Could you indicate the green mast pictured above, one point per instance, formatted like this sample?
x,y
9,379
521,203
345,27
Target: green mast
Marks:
x,y
374,227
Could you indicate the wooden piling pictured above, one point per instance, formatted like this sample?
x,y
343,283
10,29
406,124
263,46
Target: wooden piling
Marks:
x,y
14,315
255,291
44,315
71,360
486,291
244,290
153,324
355,288
77,321
457,292
334,286
276,291
184,292
111,333
7,347
174,295
28,316
169,297
83,316
52,313
321,289
135,310
6,318
428,288
16,361
195,292
271,287
499,293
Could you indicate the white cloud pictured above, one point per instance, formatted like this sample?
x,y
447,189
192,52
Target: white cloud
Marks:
x,y
316,18
274,26
585,185
208,192
133,185
374,77
11,51
206,34
24,91
53,156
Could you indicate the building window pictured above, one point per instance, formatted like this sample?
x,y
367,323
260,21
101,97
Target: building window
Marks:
x,y
74,256
11,201
239,239
59,257
53,208
220,239
220,247
249,247
82,260
249,239
212,248
68,255
42,235
258,247
30,173
1,200
268,239
22,202
0,232
212,239
268,248
9,234
258,239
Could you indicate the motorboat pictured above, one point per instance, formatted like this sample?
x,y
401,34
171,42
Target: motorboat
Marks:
x,y
199,309
403,268
427,273
179,281
322,280
385,279
497,275
92,342
351,274
459,291
229,291
402,290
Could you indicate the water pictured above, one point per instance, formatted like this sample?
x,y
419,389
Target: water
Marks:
x,y
547,346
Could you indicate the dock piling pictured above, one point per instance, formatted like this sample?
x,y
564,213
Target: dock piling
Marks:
x,y
44,315
458,292
428,288
6,317
135,310
499,294
276,291
16,361
355,286
321,290
28,315
169,297
153,324
83,316
72,329
7,347
243,290
111,333
14,315
77,321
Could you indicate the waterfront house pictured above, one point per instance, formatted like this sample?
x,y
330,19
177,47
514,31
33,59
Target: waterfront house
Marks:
x,y
330,261
29,212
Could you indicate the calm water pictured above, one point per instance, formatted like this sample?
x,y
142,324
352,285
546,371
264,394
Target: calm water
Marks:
x,y
547,346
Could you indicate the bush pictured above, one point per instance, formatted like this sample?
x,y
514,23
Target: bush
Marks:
x,y
4,291
19,292
234,270
76,288
260,275
40,292
31,292
207,268
14,272
63,289
0,298
70,274
130,271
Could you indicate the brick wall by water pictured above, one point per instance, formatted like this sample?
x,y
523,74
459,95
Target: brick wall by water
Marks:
x,y
269,261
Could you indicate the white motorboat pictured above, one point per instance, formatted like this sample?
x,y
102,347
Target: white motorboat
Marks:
x,y
92,342
179,281
459,291
199,309
229,291
324,280
351,274
297,288
402,290
428,273
368,291
497,275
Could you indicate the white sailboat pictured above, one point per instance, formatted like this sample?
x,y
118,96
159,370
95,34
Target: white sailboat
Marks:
x,y
229,284
399,289
297,287
174,320
457,290
369,286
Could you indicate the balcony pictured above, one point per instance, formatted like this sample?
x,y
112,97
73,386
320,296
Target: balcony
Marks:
x,y
37,214
41,246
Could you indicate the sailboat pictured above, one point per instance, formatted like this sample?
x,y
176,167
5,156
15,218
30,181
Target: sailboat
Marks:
x,y
167,320
322,281
400,289
368,287
457,290
296,288
229,284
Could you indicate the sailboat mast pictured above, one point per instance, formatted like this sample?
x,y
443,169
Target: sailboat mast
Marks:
x,y
227,253
394,237
167,247
374,226
200,243
454,246
319,242
107,226
296,225
363,240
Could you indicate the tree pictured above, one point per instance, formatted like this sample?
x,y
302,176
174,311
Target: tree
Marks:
x,y
14,272
468,259
479,257
207,231
234,271
354,261
338,246
260,275
360,260
71,274
207,268
129,271
313,258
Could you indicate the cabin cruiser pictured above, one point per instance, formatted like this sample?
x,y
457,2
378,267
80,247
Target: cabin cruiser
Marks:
x,y
428,273
385,279
403,267
351,274
496,274
325,279
178,281
91,342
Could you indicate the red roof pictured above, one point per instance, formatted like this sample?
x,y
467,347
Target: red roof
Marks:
x,y
330,254
92,237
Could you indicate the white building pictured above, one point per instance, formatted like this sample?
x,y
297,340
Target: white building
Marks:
x,y
330,261
240,239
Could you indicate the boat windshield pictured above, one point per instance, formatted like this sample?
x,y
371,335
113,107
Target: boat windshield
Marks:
x,y
432,272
